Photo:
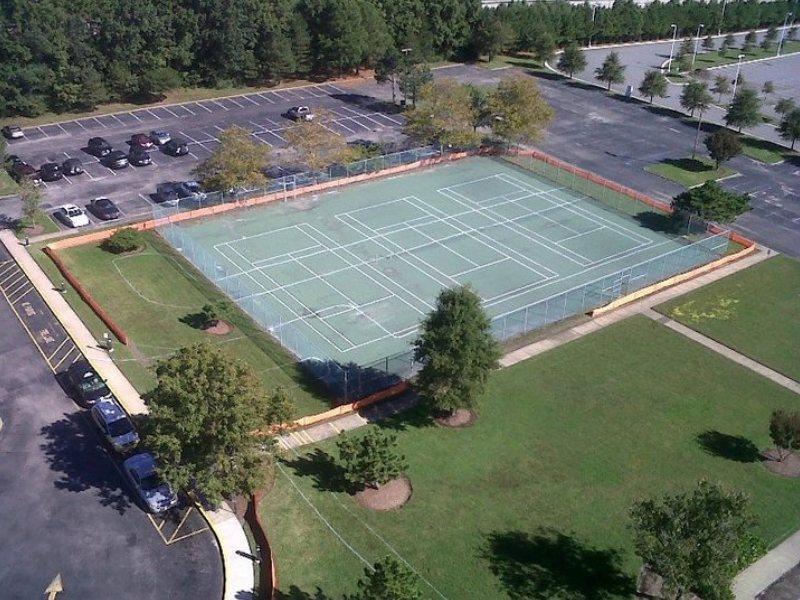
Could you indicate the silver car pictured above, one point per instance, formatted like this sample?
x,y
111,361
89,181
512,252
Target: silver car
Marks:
x,y
191,190
160,137
115,425
140,469
300,113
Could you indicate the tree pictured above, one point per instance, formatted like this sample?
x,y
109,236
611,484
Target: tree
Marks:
x,y
611,71
745,110
280,407
784,105
444,115
766,44
370,460
653,84
493,35
771,34
205,412
154,82
723,145
386,70
457,351
31,196
388,579
316,145
695,97
686,48
709,43
684,63
122,240
784,430
749,42
728,41
789,127
413,75
479,97
768,88
792,33
722,85
694,540
711,203
519,111
543,47
238,161
572,60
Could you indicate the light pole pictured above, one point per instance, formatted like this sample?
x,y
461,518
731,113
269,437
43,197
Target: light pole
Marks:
x,y
783,32
672,48
736,79
721,17
696,42
591,32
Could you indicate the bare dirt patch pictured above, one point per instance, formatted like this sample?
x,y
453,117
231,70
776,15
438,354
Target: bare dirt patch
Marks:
x,y
389,496
788,467
219,328
460,418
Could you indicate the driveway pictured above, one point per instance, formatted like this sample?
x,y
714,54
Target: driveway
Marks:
x,y
65,507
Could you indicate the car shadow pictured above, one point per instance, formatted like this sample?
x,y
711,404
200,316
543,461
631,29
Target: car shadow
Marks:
x,y
74,450
368,103
550,564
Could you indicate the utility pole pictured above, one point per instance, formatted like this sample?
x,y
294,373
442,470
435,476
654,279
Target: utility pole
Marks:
x,y
672,48
736,79
591,32
696,42
783,31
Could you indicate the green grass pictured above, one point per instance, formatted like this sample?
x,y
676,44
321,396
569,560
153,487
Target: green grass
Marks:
x,y
43,220
763,151
152,295
531,502
8,187
713,59
755,311
516,60
688,172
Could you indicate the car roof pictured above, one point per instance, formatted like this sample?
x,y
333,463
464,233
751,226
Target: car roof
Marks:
x,y
109,410
143,463
73,207
177,141
73,161
119,153
51,165
13,128
102,199
97,139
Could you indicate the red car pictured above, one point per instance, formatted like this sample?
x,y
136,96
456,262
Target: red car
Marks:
x,y
141,140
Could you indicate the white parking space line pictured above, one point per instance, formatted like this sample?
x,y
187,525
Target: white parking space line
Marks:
x,y
249,99
365,116
234,102
152,114
135,116
186,108
169,111
278,95
388,118
114,173
99,122
338,90
255,134
311,91
80,125
342,125
267,98
218,104
271,122
193,155
203,107
61,128
42,132
329,129
120,121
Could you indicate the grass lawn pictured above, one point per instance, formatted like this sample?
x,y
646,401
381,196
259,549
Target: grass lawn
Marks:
x,y
8,187
755,311
713,59
153,295
502,61
43,220
531,502
688,172
763,151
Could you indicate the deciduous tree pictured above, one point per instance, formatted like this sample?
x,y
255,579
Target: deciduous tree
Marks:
x,y
784,430
784,105
519,111
722,85
388,579
370,460
789,127
711,203
723,145
457,351
709,43
316,145
31,196
444,115
238,161
768,88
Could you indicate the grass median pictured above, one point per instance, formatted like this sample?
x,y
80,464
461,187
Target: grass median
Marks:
x,y
8,187
155,296
755,311
532,500
689,172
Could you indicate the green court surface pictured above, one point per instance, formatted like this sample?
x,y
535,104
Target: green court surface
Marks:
x,y
348,275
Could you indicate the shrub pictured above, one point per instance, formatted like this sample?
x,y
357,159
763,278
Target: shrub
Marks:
x,y
124,240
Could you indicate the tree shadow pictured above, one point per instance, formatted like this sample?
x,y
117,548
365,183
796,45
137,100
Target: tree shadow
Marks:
x,y
194,320
295,593
659,222
73,449
549,564
689,164
732,447
322,468
368,102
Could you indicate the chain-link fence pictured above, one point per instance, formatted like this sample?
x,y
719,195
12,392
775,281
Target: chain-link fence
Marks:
x,y
348,382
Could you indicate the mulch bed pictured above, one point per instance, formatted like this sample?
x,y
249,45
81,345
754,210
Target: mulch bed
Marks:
x,y
389,496
788,467
221,328
31,231
460,418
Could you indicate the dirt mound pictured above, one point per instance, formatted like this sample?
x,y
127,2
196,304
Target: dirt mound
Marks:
x,y
220,328
389,496
788,467
460,418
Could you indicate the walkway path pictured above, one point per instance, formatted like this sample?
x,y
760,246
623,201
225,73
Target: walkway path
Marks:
x,y
768,569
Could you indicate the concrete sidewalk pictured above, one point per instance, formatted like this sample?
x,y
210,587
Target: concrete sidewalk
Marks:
x,y
769,568
239,577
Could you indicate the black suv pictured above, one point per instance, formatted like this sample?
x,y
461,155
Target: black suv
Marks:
x,y
168,193
86,384
138,157
50,172
116,159
98,147
72,166
176,147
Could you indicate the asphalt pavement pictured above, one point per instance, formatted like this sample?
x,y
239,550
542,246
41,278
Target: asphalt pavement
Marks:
x,y
66,508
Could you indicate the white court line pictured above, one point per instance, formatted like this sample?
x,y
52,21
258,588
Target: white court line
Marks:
x,y
204,107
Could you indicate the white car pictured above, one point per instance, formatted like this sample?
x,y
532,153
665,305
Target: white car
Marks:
x,y
73,216
300,113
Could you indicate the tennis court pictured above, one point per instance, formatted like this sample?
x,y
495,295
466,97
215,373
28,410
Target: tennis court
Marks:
x,y
351,273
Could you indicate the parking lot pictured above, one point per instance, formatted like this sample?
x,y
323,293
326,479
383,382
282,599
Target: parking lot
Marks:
x,y
66,508
348,113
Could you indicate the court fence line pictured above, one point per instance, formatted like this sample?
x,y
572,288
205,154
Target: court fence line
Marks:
x,y
703,244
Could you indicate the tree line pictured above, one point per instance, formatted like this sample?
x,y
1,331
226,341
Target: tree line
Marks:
x,y
63,57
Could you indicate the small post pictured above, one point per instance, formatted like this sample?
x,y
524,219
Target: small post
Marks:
x,y
62,288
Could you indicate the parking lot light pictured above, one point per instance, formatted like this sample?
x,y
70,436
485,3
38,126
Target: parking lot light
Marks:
x,y
672,48
736,79
788,16
696,42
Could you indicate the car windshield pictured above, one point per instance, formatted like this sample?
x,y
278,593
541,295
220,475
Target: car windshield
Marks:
x,y
91,384
73,212
120,427
150,482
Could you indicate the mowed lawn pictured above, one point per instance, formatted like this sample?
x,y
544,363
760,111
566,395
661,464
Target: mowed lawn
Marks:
x,y
155,295
755,311
532,501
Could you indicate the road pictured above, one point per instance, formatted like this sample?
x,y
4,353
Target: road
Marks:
x,y
65,506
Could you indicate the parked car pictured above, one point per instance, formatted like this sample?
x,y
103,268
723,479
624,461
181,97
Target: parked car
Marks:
x,y
12,132
98,147
73,216
50,172
300,113
72,166
191,190
140,469
10,160
87,386
22,171
114,425
116,159
176,147
160,137
139,157
141,140
104,209
167,193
